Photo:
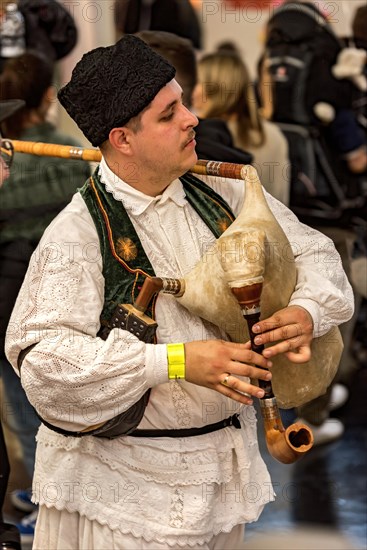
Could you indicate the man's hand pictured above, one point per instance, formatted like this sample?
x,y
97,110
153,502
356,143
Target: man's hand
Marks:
x,y
290,330
217,365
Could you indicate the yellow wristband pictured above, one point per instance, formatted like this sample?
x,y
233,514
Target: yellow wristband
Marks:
x,y
176,361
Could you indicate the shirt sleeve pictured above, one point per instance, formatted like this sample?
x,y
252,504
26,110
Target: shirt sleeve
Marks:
x,y
73,378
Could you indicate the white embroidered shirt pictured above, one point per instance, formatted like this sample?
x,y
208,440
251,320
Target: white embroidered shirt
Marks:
x,y
173,490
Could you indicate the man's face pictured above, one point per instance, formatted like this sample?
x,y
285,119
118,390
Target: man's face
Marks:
x,y
164,146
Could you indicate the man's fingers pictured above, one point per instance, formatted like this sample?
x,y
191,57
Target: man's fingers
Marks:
x,y
301,355
292,349
238,346
282,333
237,389
242,353
239,369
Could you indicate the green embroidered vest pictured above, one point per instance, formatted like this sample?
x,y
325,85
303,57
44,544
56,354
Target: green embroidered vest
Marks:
x,y
125,263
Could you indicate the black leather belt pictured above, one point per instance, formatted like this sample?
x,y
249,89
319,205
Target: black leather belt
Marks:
x,y
189,432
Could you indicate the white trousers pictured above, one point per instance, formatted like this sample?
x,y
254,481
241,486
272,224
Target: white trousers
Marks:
x,y
62,530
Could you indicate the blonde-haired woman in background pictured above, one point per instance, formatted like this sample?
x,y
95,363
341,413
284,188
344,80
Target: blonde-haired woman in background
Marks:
x,y
224,91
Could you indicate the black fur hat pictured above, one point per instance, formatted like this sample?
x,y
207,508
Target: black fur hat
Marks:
x,y
111,85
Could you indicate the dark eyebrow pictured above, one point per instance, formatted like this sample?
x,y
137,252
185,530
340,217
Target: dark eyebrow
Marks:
x,y
170,105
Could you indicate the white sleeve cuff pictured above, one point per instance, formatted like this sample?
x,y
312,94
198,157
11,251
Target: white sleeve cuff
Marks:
x,y
156,364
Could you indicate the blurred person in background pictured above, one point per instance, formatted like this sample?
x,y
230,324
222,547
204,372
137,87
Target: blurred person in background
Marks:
x,y
9,536
313,80
174,16
32,195
359,39
224,91
43,25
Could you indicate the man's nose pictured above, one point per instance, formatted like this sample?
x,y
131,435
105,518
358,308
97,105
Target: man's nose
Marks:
x,y
191,120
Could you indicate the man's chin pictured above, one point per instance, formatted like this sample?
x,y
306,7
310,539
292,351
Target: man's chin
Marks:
x,y
194,159
188,164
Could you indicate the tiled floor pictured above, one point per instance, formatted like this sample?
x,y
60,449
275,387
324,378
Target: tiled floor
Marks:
x,y
326,488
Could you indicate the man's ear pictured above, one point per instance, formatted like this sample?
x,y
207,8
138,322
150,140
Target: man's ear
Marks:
x,y
120,139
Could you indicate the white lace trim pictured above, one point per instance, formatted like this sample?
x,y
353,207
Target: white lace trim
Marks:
x,y
216,482
183,541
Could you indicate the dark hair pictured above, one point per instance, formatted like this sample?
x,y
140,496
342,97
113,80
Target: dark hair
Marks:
x,y
359,24
228,47
180,53
26,77
173,16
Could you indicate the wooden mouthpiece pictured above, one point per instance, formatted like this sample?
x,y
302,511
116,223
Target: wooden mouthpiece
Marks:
x,y
151,286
